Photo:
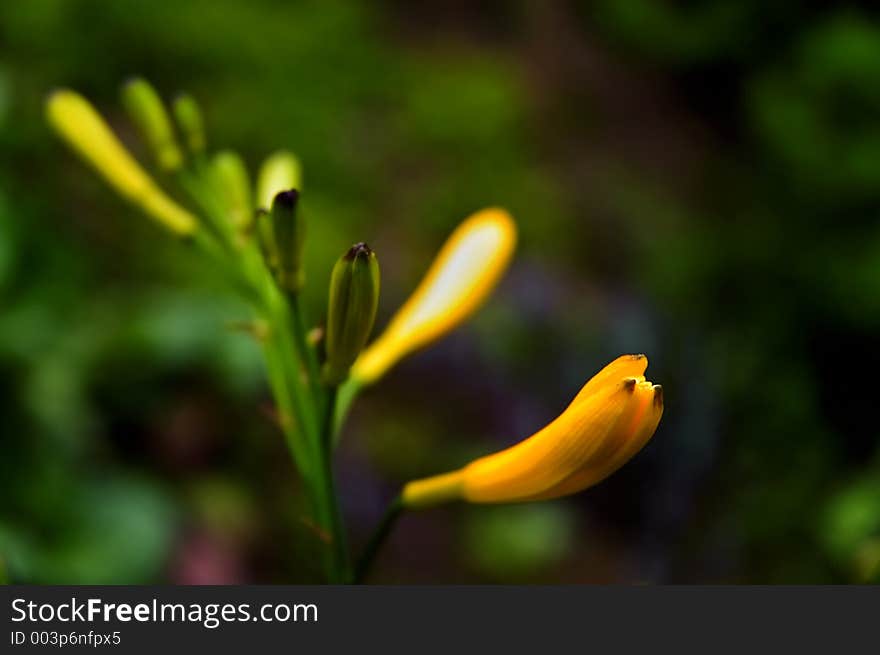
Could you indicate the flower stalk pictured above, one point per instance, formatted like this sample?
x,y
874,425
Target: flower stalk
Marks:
x,y
254,239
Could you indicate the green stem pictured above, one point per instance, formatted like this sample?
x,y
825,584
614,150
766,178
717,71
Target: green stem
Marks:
x,y
341,566
290,415
383,529
348,391
287,353
306,352
199,189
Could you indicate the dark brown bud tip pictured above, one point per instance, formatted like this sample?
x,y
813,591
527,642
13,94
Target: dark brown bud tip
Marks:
x,y
635,358
629,384
358,250
287,199
658,395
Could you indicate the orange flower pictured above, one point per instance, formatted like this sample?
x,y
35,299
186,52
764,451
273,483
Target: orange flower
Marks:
x,y
607,423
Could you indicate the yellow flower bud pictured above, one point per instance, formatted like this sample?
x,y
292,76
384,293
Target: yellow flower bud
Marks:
x,y
189,120
281,171
148,113
77,122
608,422
461,277
351,311
232,179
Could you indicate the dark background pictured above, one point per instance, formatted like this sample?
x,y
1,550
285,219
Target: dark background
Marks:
x,y
699,181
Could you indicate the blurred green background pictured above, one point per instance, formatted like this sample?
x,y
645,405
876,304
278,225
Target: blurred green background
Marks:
x,y
699,181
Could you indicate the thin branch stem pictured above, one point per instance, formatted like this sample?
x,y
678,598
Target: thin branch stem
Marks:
x,y
383,529
348,391
306,351
341,568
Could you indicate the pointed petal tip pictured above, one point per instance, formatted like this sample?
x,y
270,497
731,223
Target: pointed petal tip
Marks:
x,y
57,95
360,249
497,216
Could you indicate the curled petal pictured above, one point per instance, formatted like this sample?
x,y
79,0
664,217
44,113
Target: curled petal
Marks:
x,y
625,366
636,428
461,277
600,431
77,122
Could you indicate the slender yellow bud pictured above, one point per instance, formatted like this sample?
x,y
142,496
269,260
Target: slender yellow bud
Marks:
x,y
232,179
351,311
608,422
148,113
280,171
461,277
77,123
189,120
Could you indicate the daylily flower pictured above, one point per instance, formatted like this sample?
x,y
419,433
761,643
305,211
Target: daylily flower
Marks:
x,y
608,422
462,275
82,127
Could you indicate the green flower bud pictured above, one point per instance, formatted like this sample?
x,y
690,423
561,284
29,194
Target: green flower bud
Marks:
x,y
354,297
266,240
148,113
189,120
231,176
288,233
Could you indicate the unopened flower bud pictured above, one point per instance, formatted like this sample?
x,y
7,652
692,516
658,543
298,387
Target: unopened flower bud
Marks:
x,y
461,278
231,176
189,120
354,297
266,240
280,171
147,111
281,234
608,422
83,128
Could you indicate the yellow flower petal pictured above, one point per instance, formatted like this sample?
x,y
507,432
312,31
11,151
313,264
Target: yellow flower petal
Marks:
x,y
77,122
625,366
280,172
462,275
598,433
619,447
